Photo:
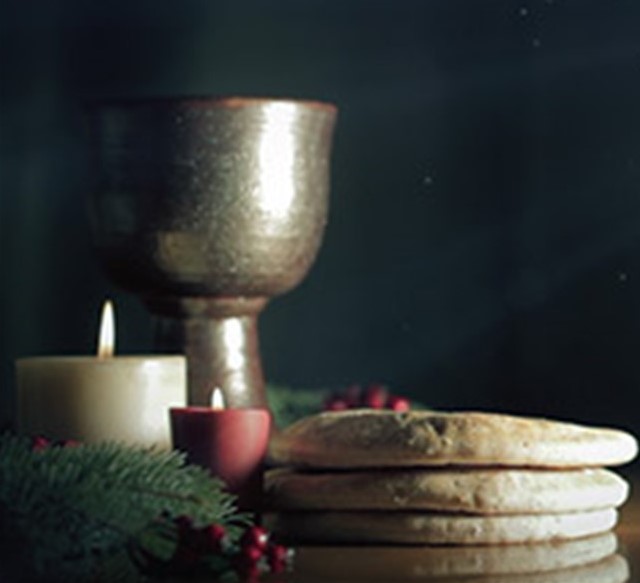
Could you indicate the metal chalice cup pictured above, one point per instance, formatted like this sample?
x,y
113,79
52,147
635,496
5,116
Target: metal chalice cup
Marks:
x,y
206,208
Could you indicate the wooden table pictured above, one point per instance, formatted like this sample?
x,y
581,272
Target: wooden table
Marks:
x,y
377,564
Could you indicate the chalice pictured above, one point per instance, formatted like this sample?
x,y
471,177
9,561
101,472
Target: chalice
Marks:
x,y
206,208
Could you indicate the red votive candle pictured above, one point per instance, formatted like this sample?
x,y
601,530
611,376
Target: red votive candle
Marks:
x,y
230,443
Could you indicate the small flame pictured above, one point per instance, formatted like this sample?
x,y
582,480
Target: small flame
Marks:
x,y
217,399
106,338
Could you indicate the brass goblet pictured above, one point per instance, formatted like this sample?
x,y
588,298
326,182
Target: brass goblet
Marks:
x,y
207,208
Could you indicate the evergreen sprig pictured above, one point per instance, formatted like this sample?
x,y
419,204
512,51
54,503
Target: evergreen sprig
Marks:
x,y
91,511
289,404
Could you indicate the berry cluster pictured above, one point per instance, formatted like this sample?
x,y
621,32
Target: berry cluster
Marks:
x,y
196,543
256,553
374,396
39,443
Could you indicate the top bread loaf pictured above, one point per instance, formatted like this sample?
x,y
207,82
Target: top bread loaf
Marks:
x,y
368,438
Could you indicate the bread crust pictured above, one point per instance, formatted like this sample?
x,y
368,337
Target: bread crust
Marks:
x,y
368,438
474,491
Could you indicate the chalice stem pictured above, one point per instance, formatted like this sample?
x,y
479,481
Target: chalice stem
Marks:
x,y
222,351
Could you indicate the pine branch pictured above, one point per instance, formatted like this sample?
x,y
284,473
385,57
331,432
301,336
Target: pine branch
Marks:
x,y
73,511
289,405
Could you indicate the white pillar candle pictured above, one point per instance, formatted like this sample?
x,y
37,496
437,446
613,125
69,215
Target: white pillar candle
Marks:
x,y
100,398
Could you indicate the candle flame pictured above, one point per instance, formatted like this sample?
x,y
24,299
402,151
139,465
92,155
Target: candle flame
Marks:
x,y
217,399
106,337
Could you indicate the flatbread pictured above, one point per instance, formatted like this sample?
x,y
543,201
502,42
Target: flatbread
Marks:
x,y
434,528
370,438
476,491
388,563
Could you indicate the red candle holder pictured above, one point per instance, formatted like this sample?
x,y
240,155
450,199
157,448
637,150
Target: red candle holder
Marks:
x,y
230,443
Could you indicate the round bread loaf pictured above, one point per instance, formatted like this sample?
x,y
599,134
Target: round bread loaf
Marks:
x,y
369,438
474,491
400,563
432,528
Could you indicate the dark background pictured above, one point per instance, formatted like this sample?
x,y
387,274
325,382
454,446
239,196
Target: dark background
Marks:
x,y
484,236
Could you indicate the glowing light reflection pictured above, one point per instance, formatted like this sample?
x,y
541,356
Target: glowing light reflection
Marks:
x,y
276,154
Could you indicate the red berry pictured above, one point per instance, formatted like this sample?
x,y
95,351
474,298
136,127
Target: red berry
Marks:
x,y
278,556
375,397
277,566
70,443
216,532
251,554
336,404
39,443
397,403
255,536
210,538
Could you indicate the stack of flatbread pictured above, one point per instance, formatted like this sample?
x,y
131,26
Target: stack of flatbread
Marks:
x,y
462,479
